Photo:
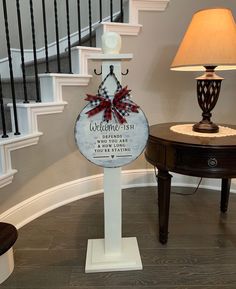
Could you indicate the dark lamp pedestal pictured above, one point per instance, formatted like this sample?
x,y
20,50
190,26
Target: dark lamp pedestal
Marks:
x,y
208,90
206,126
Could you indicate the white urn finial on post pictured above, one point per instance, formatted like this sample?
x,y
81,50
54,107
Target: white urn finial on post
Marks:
x,y
111,43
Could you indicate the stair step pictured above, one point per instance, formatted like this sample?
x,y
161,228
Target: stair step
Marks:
x,y
9,144
7,101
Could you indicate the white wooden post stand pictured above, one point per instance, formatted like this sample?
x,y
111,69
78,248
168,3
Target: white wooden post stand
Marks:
x,y
113,253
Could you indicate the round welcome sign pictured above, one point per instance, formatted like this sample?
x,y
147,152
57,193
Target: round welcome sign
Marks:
x,y
111,143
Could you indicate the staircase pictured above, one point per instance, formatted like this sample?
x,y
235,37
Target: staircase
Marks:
x,y
51,85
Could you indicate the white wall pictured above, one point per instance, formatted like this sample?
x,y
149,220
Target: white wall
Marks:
x,y
164,96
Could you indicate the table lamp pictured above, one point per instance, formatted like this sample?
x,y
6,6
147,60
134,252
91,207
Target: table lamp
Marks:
x,y
209,44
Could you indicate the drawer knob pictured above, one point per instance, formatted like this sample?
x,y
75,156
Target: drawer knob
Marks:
x,y
212,162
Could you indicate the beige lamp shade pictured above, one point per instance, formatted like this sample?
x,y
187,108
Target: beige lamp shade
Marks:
x,y
210,40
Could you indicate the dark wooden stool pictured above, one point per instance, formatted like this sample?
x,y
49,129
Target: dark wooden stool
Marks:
x,y
8,237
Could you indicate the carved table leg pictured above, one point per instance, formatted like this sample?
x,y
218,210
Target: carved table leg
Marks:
x,y
164,186
225,190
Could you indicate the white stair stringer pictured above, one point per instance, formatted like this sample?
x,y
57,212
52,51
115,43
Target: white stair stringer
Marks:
x,y
120,28
6,147
132,28
51,84
28,127
27,114
80,56
52,102
145,5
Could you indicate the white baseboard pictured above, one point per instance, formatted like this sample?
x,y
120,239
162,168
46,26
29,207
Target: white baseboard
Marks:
x,y
55,197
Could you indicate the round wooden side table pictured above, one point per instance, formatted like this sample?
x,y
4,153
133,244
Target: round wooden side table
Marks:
x,y
209,157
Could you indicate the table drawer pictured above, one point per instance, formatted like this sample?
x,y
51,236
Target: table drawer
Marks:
x,y
202,161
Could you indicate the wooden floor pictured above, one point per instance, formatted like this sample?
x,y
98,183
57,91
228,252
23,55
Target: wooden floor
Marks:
x,y
201,252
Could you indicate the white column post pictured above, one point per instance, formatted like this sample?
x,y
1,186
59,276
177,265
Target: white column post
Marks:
x,y
112,210
113,253
112,180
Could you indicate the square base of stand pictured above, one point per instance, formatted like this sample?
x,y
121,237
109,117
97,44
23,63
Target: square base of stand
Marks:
x,y
128,259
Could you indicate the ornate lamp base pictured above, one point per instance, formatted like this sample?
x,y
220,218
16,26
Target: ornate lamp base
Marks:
x,y
208,90
205,127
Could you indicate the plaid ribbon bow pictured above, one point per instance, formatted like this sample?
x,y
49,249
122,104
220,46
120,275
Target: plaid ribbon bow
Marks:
x,y
120,106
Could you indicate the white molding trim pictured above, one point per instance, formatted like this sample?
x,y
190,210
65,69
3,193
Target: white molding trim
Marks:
x,y
120,28
52,198
9,145
28,114
51,84
132,28
6,179
145,5
80,56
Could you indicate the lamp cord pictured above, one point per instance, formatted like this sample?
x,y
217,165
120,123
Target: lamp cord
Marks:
x,y
183,194
192,193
